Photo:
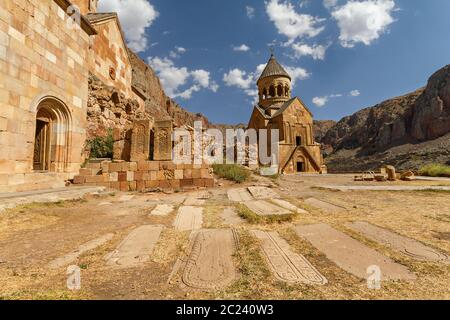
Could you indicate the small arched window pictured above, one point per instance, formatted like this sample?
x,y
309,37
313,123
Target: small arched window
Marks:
x,y
272,92
280,90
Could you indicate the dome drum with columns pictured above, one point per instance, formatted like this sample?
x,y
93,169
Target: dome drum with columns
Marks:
x,y
277,109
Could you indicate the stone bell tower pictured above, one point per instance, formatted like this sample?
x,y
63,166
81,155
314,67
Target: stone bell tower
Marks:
x,y
274,85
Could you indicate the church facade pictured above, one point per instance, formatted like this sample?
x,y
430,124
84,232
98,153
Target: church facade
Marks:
x,y
278,110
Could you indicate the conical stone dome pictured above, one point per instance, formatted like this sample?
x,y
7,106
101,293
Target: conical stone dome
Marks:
x,y
273,68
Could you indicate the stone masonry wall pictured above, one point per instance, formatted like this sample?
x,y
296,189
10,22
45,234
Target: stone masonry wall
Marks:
x,y
145,175
40,56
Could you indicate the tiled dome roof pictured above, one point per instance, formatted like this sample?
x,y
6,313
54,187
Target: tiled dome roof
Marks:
x,y
273,68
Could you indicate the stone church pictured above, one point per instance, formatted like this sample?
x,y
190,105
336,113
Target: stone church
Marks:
x,y
47,55
276,109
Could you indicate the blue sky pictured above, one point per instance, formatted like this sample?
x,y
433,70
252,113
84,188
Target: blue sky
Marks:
x,y
344,55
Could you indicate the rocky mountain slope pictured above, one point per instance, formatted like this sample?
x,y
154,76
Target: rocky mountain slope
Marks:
x,y
406,131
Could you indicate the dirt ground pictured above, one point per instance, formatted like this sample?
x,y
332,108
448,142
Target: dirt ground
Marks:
x,y
32,236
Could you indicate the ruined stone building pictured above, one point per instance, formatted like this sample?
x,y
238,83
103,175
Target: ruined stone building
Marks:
x,y
276,109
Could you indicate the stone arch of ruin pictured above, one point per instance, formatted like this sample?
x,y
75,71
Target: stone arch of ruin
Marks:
x,y
52,140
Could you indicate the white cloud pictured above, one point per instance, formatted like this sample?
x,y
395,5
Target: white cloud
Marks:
x,y
174,54
355,93
135,17
317,52
250,12
320,101
296,74
363,21
180,49
238,78
242,48
329,3
290,23
174,78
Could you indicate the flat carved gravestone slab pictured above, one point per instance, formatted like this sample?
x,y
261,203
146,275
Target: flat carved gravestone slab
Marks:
x,y
136,248
351,255
323,205
210,262
73,256
285,264
262,193
162,210
189,218
288,206
239,195
265,208
197,199
409,247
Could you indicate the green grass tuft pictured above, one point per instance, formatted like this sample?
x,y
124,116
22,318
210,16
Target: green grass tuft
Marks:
x,y
231,172
253,218
435,170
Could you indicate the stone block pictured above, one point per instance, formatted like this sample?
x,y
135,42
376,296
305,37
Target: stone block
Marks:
x,y
163,140
123,186
186,183
113,176
204,174
199,183
122,176
140,185
187,174
132,166
153,165
94,179
78,180
151,184
130,176
132,186
179,174
209,183
140,140
196,174
115,185
115,167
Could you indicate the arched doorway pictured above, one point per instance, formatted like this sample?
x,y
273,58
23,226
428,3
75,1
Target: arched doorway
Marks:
x,y
52,138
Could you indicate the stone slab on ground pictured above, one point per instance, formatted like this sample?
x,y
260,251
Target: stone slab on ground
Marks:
x,y
387,188
262,193
324,206
136,248
197,199
189,218
210,264
409,247
12,200
231,217
74,255
162,210
285,264
126,198
265,208
239,195
351,255
289,206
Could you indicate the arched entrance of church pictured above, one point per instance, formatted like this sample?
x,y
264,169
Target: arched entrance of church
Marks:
x,y
52,140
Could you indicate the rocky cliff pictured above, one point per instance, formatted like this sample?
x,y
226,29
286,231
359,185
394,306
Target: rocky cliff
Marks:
x,y
146,83
420,120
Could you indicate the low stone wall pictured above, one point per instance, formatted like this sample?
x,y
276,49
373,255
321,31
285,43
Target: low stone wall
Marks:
x,y
144,175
